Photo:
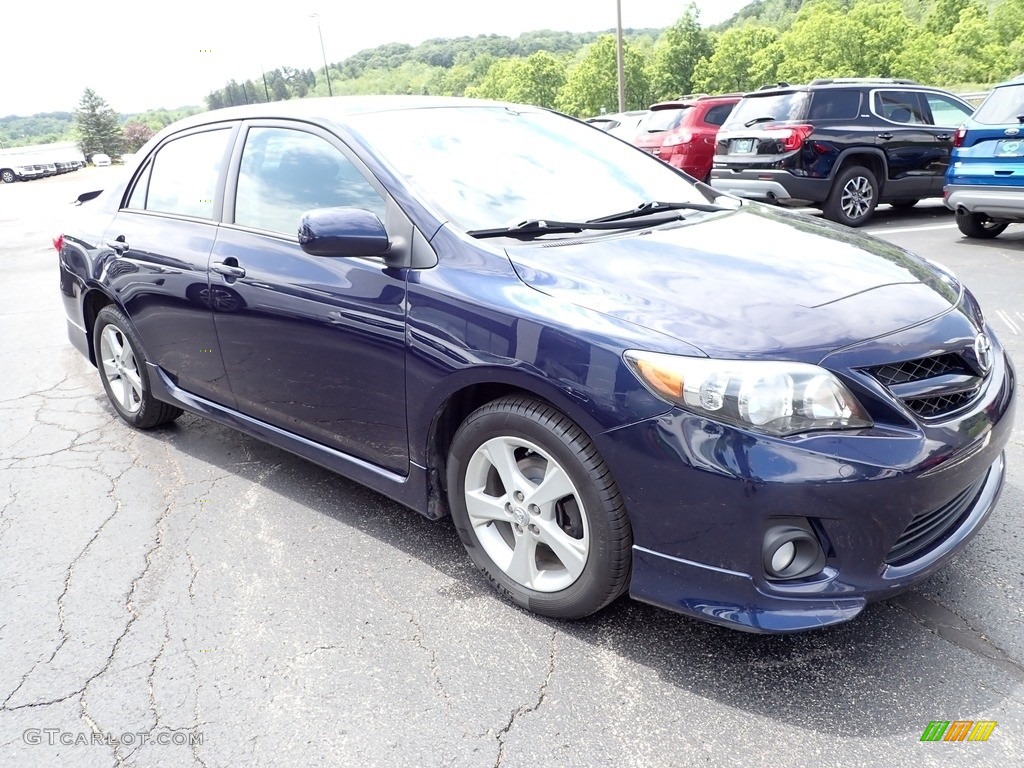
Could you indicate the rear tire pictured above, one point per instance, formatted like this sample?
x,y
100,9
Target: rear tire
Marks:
x,y
853,197
980,226
537,509
123,372
8,176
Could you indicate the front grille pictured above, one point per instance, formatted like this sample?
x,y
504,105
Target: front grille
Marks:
x,y
929,529
929,407
933,397
922,368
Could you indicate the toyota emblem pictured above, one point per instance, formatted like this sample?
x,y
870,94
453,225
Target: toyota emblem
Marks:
x,y
983,352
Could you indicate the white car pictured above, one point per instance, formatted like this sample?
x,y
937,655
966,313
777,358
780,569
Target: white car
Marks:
x,y
99,159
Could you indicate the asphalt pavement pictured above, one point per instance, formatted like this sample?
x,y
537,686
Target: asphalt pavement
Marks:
x,y
192,597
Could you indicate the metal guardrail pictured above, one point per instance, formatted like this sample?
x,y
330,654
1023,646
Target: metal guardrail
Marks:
x,y
974,98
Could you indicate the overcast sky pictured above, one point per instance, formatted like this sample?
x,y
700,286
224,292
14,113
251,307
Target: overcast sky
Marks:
x,y
145,55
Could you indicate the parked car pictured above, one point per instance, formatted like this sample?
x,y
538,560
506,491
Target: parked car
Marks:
x,y
14,169
613,379
682,133
985,180
843,145
622,125
100,159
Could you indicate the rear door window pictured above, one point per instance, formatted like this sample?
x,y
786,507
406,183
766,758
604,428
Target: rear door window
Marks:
x,y
903,107
184,174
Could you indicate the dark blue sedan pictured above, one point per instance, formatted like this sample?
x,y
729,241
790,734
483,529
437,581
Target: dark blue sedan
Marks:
x,y
612,378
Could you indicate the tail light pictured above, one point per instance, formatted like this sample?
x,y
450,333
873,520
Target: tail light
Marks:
x,y
792,136
676,138
959,136
58,243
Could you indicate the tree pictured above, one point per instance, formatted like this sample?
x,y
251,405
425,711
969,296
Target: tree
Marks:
x,y
537,79
741,61
96,126
676,55
592,84
135,135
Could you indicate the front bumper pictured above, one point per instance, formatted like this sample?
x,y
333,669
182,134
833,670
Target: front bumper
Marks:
x,y
994,202
702,494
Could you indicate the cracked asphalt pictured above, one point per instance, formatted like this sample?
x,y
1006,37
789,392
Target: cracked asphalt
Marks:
x,y
196,583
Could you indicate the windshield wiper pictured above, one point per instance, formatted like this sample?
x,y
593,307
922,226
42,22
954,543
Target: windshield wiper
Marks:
x,y
536,227
652,207
756,120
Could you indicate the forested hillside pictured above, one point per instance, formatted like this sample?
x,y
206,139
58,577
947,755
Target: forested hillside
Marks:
x,y
958,44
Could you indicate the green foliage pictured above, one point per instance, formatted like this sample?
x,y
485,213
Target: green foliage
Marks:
x,y
97,127
676,55
537,79
745,58
42,128
592,84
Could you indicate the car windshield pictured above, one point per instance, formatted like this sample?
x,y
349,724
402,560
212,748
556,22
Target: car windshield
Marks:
x,y
1002,107
774,107
488,167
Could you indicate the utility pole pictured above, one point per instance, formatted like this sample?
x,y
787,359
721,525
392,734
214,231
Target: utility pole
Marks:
x,y
619,63
327,74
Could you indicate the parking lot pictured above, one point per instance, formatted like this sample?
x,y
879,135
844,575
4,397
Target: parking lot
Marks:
x,y
191,596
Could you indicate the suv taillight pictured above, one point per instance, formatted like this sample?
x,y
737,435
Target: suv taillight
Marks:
x,y
58,243
792,136
959,136
676,138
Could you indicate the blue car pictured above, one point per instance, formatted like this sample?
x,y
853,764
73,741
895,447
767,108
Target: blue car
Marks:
x,y
985,179
614,379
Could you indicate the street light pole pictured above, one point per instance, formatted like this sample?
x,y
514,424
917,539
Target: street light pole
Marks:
x,y
619,64
327,74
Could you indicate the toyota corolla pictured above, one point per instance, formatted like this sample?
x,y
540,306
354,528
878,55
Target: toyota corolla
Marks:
x,y
612,378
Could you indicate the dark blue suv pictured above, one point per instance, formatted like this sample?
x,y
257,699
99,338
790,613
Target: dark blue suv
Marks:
x,y
985,181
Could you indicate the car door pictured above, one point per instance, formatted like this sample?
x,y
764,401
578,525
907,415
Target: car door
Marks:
x,y
908,141
163,235
312,345
946,114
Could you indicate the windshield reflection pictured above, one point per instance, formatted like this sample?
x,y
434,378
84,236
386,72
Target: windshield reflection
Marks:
x,y
489,166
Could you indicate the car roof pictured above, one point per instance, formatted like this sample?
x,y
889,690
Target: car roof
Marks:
x,y
331,108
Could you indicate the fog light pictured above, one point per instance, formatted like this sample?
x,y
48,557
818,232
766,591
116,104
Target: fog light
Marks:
x,y
791,551
783,557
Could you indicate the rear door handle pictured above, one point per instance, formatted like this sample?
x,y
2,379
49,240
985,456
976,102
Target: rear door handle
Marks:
x,y
228,270
885,136
118,245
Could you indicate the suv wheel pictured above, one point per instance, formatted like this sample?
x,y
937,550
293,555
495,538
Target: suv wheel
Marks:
x,y
979,225
853,197
8,176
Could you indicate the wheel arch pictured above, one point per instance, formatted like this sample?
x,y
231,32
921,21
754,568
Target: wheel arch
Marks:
x,y
872,159
93,300
466,398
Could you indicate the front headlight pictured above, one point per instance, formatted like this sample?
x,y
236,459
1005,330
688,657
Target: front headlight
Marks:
x,y
775,397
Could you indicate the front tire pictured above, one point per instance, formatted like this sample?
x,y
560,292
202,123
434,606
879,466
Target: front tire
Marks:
x,y
123,372
8,176
980,226
537,509
853,197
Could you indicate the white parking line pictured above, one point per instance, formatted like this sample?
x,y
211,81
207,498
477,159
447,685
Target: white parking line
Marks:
x,y
923,228
1009,321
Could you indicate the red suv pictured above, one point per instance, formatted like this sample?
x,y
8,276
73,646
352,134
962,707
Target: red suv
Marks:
x,y
682,133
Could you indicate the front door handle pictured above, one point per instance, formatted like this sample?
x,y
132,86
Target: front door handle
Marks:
x,y
228,270
885,136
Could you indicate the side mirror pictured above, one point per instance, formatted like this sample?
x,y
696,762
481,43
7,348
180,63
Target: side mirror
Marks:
x,y
343,232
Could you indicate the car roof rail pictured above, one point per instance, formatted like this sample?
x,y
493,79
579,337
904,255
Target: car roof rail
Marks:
x,y
855,80
692,96
769,86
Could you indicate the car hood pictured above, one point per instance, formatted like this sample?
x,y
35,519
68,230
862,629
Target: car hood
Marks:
x,y
756,283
